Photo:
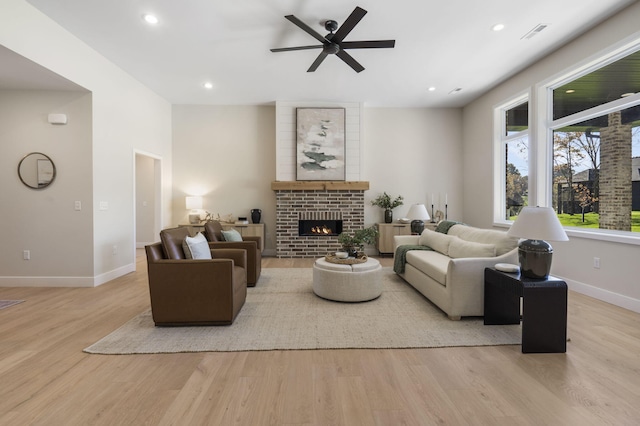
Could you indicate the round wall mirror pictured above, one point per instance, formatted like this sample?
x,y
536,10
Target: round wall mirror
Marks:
x,y
36,170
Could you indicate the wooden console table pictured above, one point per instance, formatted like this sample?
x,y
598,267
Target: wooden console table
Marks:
x,y
544,308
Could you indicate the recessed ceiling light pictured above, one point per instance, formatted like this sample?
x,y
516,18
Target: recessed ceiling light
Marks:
x,y
208,85
570,91
431,89
150,19
497,27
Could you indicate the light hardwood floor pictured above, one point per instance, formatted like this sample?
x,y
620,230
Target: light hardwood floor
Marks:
x,y
46,379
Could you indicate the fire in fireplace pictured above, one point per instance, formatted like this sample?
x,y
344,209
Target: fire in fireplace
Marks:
x,y
319,228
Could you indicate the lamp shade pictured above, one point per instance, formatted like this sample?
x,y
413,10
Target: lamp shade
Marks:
x,y
418,212
538,223
194,203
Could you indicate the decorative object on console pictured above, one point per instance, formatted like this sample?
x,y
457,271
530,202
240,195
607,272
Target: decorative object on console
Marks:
x,y
194,204
354,243
418,214
536,224
256,214
384,201
242,221
320,144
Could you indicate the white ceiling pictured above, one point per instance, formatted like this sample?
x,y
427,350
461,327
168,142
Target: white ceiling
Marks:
x,y
445,44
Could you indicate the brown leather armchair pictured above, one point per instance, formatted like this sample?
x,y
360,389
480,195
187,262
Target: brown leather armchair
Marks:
x,y
194,292
213,234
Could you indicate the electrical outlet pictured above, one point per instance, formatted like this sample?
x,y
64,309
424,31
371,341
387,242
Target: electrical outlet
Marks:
x,y
78,205
26,254
596,262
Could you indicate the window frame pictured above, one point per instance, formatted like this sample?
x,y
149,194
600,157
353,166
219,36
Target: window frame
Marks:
x,y
543,147
499,152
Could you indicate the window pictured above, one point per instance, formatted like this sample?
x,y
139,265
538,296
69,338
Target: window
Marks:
x,y
513,157
596,148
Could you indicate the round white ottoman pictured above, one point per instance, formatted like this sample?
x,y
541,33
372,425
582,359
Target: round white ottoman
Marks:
x,y
347,283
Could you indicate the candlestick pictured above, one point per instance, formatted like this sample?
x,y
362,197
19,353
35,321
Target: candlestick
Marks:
x,y
432,217
446,207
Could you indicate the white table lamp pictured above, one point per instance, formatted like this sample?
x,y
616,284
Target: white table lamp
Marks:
x,y
536,224
418,215
194,204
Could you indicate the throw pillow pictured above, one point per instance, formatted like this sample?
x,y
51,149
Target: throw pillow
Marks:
x,y
196,247
231,235
461,248
436,240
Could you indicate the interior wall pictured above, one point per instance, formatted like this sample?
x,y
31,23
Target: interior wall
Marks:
x,y
416,153
45,221
226,154
615,281
145,201
125,116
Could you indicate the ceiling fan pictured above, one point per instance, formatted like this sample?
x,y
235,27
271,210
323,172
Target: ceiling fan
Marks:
x,y
334,44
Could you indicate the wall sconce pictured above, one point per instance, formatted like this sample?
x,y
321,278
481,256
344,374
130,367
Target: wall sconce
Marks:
x,y
195,205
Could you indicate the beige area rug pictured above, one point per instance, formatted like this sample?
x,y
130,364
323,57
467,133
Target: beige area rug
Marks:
x,y
282,312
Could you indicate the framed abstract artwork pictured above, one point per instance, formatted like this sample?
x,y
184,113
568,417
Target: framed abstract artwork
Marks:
x,y
320,144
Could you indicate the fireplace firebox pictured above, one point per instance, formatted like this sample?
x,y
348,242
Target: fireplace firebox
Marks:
x,y
319,228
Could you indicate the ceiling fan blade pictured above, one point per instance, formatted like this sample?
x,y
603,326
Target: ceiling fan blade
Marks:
x,y
353,19
314,66
372,44
350,61
307,28
286,49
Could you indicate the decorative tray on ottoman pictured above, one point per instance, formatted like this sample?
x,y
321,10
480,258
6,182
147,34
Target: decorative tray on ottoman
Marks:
x,y
360,258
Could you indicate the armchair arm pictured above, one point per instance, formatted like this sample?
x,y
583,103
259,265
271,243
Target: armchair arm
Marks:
x,y
239,256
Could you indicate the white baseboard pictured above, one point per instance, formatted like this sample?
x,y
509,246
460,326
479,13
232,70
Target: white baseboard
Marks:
x,y
620,300
46,281
67,281
113,274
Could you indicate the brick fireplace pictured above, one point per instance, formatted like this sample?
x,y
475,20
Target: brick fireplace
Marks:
x,y
319,202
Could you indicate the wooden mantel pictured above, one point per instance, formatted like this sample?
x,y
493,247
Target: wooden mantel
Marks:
x,y
319,185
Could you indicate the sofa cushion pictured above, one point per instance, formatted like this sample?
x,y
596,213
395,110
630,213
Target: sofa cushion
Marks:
x,y
231,235
432,263
499,239
461,248
196,247
436,240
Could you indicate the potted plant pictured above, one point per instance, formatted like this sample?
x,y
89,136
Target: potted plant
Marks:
x,y
354,243
388,205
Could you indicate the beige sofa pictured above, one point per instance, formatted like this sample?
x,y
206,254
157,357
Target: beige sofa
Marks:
x,y
451,274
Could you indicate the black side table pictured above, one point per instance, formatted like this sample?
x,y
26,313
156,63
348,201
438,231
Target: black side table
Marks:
x,y
544,308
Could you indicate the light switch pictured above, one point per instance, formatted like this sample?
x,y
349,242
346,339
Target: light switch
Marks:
x,y
78,205
104,205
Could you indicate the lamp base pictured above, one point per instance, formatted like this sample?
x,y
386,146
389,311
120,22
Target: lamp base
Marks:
x,y
535,259
194,218
417,226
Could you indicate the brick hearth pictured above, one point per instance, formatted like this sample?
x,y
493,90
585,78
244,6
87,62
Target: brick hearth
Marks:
x,y
300,204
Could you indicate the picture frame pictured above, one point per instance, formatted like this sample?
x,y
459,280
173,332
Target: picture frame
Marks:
x,y
320,144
